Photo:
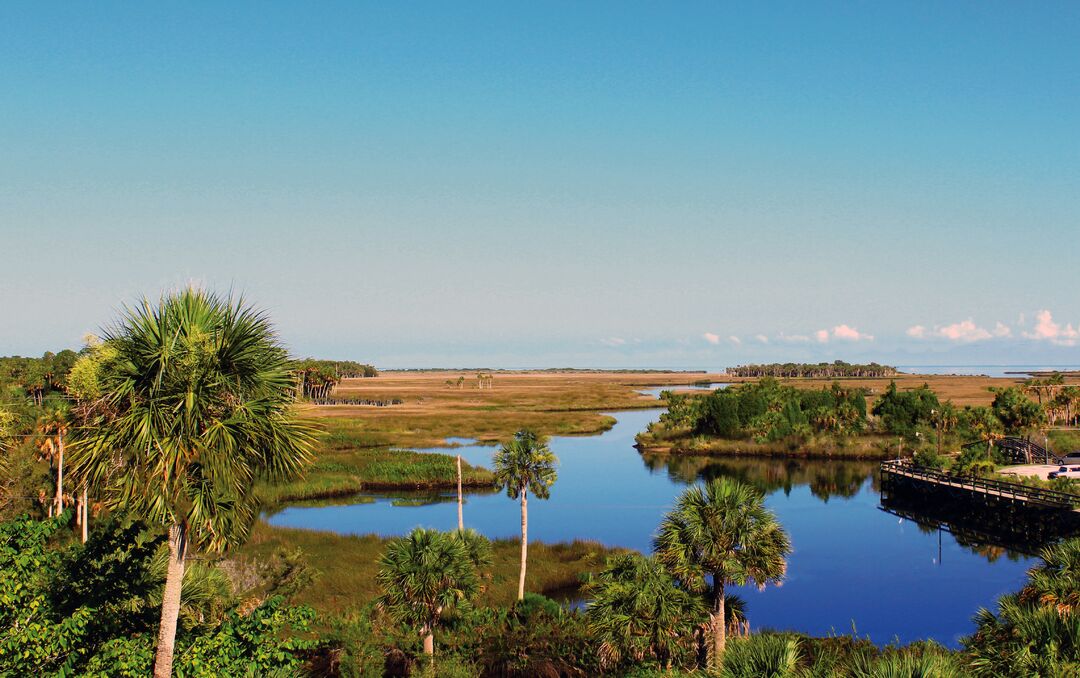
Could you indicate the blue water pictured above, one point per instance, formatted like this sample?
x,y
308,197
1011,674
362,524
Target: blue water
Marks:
x,y
655,391
853,563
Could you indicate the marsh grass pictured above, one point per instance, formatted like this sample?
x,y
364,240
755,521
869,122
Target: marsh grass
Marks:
x,y
348,471
347,565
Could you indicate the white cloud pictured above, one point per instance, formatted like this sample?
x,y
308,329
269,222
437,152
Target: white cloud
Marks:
x,y
1046,329
713,339
962,332
762,338
793,338
614,342
842,333
735,340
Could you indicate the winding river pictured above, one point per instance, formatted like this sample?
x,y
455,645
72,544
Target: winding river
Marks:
x,y
855,566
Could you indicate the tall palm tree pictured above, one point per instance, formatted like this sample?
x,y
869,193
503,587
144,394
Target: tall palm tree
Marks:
x,y
722,533
200,396
426,572
523,465
638,611
55,425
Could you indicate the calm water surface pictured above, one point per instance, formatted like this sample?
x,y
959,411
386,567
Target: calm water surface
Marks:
x,y
854,565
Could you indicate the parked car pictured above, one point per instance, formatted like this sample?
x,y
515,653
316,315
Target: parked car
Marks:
x,y
1065,472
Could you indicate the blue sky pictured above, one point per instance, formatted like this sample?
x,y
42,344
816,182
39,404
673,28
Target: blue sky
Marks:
x,y
605,184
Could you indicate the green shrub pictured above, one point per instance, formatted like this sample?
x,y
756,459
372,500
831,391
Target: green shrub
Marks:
x,y
762,655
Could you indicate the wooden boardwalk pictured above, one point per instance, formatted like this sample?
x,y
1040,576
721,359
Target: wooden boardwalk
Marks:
x,y
1021,450
903,471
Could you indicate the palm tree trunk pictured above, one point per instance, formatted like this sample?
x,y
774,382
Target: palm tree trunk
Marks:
x,y
460,515
60,475
85,515
716,620
524,541
170,601
428,634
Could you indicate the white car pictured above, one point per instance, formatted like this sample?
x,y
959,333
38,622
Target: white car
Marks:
x,y
1065,472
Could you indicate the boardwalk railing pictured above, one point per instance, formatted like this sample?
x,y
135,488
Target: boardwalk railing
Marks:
x,y
1022,450
996,488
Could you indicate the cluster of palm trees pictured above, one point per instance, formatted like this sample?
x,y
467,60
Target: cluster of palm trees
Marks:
x,y
1061,401
717,536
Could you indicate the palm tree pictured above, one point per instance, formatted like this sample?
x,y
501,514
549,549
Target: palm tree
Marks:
x,y
639,611
1056,582
460,500
426,572
55,425
1035,632
522,465
200,398
722,532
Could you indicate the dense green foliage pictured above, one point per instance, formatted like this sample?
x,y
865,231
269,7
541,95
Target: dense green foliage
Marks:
x,y
902,412
768,411
91,609
776,416
638,612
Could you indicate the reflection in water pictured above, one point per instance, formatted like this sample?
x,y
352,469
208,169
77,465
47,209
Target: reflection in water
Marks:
x,y
972,535
852,561
826,479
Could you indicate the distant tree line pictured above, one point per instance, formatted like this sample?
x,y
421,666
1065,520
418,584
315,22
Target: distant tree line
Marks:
x,y
353,400
833,370
36,378
316,379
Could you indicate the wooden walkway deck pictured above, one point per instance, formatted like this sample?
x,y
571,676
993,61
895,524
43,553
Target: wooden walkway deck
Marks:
x,y
1035,497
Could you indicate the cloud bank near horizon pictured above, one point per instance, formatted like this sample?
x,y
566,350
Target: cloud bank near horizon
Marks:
x,y
1044,330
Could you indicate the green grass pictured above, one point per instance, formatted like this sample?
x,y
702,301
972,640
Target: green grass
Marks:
x,y
347,565
339,472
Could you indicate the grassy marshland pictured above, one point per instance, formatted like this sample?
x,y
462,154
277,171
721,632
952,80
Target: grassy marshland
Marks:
x,y
347,565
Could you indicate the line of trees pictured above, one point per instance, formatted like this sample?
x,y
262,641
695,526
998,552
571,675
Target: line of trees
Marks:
x,y
316,379
36,378
834,370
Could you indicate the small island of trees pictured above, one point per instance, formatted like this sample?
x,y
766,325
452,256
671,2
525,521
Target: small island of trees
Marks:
x,y
834,370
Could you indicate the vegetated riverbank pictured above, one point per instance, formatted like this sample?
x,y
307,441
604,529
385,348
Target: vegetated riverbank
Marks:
x,y
683,441
347,564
